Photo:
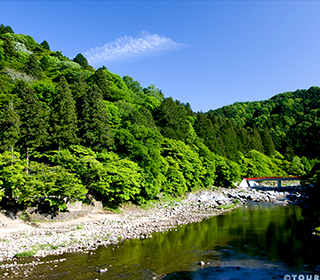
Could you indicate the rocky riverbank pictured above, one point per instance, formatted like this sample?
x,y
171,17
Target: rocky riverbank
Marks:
x,y
88,233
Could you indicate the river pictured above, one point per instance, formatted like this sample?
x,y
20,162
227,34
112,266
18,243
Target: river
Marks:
x,y
256,241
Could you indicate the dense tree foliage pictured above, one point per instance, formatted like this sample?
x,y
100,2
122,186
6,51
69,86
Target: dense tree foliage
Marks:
x,y
291,119
9,124
64,117
68,131
45,45
94,128
32,67
80,59
5,29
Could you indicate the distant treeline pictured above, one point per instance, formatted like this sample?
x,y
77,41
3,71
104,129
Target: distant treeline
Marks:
x,y
70,131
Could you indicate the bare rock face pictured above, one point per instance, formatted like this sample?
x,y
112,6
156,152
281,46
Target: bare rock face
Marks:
x,y
97,206
74,206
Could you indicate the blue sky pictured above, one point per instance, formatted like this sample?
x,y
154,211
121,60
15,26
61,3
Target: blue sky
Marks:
x,y
207,53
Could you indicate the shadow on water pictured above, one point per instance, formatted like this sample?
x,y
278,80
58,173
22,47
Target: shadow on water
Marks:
x,y
258,241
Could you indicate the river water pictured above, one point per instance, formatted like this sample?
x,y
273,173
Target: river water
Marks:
x,y
256,241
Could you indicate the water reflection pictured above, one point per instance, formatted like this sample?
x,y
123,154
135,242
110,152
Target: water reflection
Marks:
x,y
258,237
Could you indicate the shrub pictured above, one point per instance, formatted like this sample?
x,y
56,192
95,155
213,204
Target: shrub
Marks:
x,y
28,253
66,64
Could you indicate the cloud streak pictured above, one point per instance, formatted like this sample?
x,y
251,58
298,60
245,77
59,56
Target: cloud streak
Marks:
x,y
128,47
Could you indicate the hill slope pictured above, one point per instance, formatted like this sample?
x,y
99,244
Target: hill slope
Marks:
x,y
73,132
292,119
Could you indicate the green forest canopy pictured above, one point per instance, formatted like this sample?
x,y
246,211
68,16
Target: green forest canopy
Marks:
x,y
70,131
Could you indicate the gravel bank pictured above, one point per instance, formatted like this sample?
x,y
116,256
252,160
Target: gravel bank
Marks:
x,y
85,235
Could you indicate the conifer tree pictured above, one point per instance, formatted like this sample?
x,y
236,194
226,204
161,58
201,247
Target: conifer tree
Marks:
x,y
267,142
64,117
172,120
2,29
44,63
100,79
45,45
95,130
33,127
255,140
5,29
9,127
8,48
82,61
78,91
9,29
32,67
229,136
205,130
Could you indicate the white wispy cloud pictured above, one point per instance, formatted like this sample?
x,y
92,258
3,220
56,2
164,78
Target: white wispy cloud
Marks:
x,y
128,46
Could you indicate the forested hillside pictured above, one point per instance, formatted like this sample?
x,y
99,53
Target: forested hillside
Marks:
x,y
70,131
291,119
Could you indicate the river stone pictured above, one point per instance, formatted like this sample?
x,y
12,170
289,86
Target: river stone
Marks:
x,y
204,198
114,240
103,270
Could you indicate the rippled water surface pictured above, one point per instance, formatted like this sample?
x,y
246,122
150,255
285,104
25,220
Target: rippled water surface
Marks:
x,y
257,241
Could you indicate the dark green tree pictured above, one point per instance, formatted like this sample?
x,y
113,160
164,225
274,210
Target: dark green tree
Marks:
x,y
82,61
132,84
153,91
78,91
8,48
172,120
229,136
45,45
205,130
95,130
140,116
44,62
33,118
9,126
5,29
64,117
2,29
255,140
267,142
99,78
32,67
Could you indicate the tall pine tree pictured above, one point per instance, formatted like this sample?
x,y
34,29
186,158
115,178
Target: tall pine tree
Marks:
x,y
205,130
171,120
32,67
80,59
45,45
5,29
267,142
95,130
33,119
99,78
64,121
9,125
